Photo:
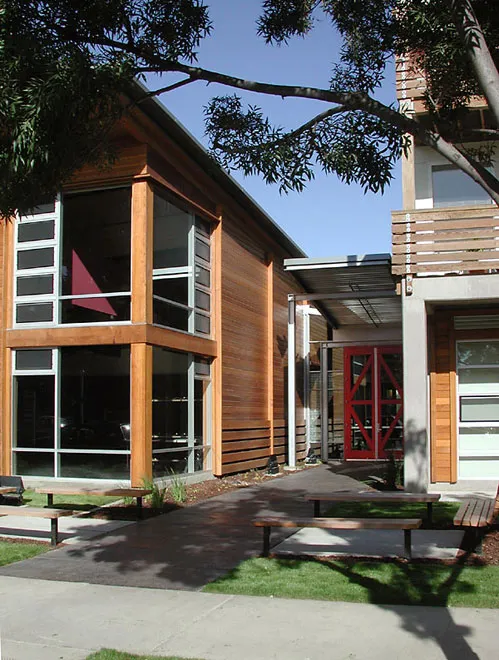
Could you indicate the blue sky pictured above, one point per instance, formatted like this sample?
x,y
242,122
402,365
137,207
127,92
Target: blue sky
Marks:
x,y
329,218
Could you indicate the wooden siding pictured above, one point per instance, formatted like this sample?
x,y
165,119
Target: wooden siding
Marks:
x,y
130,161
456,240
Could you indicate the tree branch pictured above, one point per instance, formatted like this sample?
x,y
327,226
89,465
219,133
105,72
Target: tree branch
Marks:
x,y
476,46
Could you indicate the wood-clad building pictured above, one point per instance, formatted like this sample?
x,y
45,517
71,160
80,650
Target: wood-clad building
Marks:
x,y
445,255
143,319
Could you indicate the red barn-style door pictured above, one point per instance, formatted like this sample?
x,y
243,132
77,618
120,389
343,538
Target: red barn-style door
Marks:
x,y
373,402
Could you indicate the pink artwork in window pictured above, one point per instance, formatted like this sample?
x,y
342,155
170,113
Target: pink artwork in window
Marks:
x,y
83,283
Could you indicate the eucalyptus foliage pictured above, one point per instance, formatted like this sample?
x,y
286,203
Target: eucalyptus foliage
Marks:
x,y
67,64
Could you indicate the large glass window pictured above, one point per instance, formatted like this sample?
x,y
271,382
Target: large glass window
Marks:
x,y
96,248
72,412
452,187
72,262
181,268
478,392
180,413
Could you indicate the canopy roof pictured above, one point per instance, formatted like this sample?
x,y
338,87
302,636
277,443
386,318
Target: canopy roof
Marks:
x,y
335,285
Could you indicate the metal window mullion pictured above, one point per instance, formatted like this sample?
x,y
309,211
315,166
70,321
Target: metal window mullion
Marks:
x,y
57,409
86,296
191,295
191,440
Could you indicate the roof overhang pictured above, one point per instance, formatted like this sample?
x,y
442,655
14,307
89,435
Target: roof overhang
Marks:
x,y
350,290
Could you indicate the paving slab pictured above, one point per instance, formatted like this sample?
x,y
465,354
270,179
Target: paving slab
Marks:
x,y
68,621
426,543
189,547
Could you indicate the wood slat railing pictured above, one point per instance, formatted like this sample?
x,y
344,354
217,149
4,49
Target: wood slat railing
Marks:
x,y
458,240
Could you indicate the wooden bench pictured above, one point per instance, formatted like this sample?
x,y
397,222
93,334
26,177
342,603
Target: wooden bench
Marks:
x,y
477,512
137,493
407,524
38,512
374,497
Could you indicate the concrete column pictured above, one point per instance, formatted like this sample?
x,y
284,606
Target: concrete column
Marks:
x,y
416,451
291,381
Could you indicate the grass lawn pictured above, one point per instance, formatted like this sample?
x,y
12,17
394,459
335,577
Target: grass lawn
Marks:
x,y
10,551
364,582
443,512
80,502
109,654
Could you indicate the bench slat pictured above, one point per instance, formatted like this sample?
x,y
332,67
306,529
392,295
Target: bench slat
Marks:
x,y
476,516
103,492
374,496
35,512
341,523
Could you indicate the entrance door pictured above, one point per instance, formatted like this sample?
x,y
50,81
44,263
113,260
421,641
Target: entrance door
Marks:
x,y
373,402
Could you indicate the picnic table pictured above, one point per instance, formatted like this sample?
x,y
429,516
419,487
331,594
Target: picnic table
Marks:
x,y
373,497
6,490
137,493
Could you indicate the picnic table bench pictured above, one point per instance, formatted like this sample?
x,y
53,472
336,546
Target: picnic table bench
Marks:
x,y
373,497
406,524
477,511
137,493
38,512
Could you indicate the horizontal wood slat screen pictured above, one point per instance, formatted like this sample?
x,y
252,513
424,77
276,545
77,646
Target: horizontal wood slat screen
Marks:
x,y
245,445
460,240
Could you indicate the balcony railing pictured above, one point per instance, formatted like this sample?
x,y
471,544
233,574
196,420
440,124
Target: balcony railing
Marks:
x,y
457,240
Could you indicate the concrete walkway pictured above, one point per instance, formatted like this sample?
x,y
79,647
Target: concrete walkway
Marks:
x,y
189,547
42,620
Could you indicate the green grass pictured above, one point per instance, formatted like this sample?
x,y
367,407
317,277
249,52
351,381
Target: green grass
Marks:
x,y
109,654
443,512
80,502
10,551
390,583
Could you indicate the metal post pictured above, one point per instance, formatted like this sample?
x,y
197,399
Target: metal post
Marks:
x,y
429,507
317,508
53,531
324,405
50,499
407,543
139,507
266,541
291,381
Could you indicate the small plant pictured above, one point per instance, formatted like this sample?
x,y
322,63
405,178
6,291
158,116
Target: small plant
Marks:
x,y
394,472
157,496
177,488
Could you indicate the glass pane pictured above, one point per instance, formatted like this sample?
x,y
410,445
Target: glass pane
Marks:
x,y
40,258
34,312
33,464
203,226
479,409
35,231
95,397
171,462
170,316
451,187
169,401
203,276
33,359
199,414
479,381
34,411
479,439
396,438
477,353
358,441
96,242
171,233
176,289
95,466
394,363
96,310
202,324
35,286
45,206
202,300
202,250
364,391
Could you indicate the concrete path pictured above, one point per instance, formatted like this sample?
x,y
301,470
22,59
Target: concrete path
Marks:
x,y
71,529
42,620
189,547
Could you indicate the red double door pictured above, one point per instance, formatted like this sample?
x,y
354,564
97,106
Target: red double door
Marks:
x,y
373,411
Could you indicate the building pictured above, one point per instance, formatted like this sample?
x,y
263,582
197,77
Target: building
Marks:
x,y
144,316
411,366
